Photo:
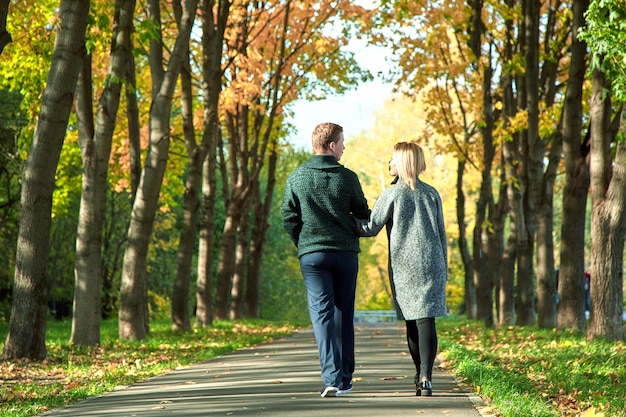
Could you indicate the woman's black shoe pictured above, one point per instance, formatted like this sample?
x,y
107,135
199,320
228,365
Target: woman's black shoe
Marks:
x,y
424,389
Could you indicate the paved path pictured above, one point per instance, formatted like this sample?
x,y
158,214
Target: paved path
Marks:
x,y
282,379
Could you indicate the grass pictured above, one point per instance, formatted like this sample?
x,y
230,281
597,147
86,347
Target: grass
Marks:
x,y
518,371
525,371
73,373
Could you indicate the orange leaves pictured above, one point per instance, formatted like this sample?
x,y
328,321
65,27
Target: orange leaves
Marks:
x,y
280,47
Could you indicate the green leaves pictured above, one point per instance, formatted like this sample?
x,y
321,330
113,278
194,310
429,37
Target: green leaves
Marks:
x,y
605,34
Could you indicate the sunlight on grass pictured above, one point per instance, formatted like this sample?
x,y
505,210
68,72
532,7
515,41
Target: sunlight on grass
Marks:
x,y
525,371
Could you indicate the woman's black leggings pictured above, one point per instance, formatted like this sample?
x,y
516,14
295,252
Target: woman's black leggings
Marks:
x,y
421,336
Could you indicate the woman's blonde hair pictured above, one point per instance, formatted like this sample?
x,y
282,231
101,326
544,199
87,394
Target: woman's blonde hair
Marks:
x,y
410,162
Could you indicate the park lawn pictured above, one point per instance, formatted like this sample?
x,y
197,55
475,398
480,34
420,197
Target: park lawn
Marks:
x,y
71,373
525,371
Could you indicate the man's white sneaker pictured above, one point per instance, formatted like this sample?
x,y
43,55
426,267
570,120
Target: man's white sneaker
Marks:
x,y
330,392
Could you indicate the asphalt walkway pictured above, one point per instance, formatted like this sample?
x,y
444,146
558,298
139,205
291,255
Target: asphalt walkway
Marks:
x,y
282,379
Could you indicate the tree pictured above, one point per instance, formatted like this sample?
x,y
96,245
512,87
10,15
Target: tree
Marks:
x,y
133,317
276,52
213,27
518,89
27,327
606,39
571,313
96,151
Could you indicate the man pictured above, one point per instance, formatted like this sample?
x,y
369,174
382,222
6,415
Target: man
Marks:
x,y
320,197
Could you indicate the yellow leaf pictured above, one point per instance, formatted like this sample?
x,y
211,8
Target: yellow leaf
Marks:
x,y
591,412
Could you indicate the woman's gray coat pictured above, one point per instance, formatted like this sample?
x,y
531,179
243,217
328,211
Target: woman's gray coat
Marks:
x,y
418,255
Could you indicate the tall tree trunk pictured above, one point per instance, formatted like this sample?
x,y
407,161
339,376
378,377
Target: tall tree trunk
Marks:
x,y
133,319
571,290
477,29
204,304
484,286
27,327
608,220
96,151
86,309
550,85
191,206
532,156
191,200
510,164
212,44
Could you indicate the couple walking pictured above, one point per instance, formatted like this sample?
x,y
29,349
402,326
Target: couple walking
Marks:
x,y
325,211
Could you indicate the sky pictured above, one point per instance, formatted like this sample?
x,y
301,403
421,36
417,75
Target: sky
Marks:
x,y
353,110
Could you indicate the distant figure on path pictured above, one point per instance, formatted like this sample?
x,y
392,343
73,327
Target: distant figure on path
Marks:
x,y
320,198
418,256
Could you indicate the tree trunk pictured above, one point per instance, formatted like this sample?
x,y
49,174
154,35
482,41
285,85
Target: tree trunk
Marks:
x,y
608,185
191,206
571,290
133,320
510,164
532,156
212,45
476,29
546,283
550,85
482,280
86,309
204,304
96,151
27,326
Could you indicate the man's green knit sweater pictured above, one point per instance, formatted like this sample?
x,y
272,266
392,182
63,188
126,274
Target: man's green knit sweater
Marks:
x,y
320,197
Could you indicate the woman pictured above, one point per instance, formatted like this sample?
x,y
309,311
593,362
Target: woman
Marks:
x,y
418,259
